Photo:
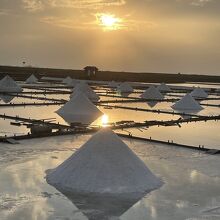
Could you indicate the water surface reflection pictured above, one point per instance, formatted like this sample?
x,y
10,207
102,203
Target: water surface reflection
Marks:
x,y
191,188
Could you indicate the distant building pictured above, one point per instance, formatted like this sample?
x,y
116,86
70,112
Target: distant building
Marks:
x,y
91,71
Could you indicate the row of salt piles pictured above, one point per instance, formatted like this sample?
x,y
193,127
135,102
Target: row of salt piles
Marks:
x,y
80,108
104,164
186,103
125,87
189,103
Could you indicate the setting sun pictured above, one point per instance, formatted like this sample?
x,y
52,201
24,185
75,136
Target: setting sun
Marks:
x,y
109,21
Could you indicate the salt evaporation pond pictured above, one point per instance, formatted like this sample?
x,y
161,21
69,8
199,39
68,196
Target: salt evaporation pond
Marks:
x,y
191,189
199,133
191,179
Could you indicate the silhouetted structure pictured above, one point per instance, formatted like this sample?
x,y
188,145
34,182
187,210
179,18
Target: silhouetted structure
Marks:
x,y
91,71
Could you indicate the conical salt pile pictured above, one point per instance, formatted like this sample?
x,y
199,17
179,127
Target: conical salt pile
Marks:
x,y
32,79
86,90
79,109
199,93
152,93
66,80
7,84
125,88
187,103
70,82
163,88
112,84
104,164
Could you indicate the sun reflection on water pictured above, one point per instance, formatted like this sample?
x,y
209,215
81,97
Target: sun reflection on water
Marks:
x,y
104,120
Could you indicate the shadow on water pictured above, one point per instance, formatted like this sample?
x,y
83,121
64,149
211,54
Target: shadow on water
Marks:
x,y
186,114
124,94
6,98
102,206
152,104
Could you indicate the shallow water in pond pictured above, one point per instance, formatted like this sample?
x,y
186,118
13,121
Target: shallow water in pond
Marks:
x,y
199,133
191,179
190,190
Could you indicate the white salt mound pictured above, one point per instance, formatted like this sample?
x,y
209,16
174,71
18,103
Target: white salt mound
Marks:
x,y
66,80
199,93
79,109
7,84
104,164
152,93
125,88
163,88
86,90
32,79
187,103
70,82
112,84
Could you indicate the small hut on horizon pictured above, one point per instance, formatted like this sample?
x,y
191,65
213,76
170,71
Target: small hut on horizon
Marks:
x,y
91,71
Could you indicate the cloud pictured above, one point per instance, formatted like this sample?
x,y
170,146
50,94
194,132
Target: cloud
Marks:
x,y
67,23
33,5
200,2
4,12
85,3
37,5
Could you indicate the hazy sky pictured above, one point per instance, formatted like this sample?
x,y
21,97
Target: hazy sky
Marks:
x,y
148,35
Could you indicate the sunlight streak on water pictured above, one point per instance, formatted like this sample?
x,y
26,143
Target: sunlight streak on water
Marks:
x,y
105,120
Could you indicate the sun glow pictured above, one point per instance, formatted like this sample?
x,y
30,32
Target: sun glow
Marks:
x,y
109,21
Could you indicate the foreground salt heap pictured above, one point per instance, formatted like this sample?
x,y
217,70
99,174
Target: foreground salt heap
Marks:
x,y
32,79
125,88
86,90
187,103
199,93
103,165
79,109
163,88
152,93
7,84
